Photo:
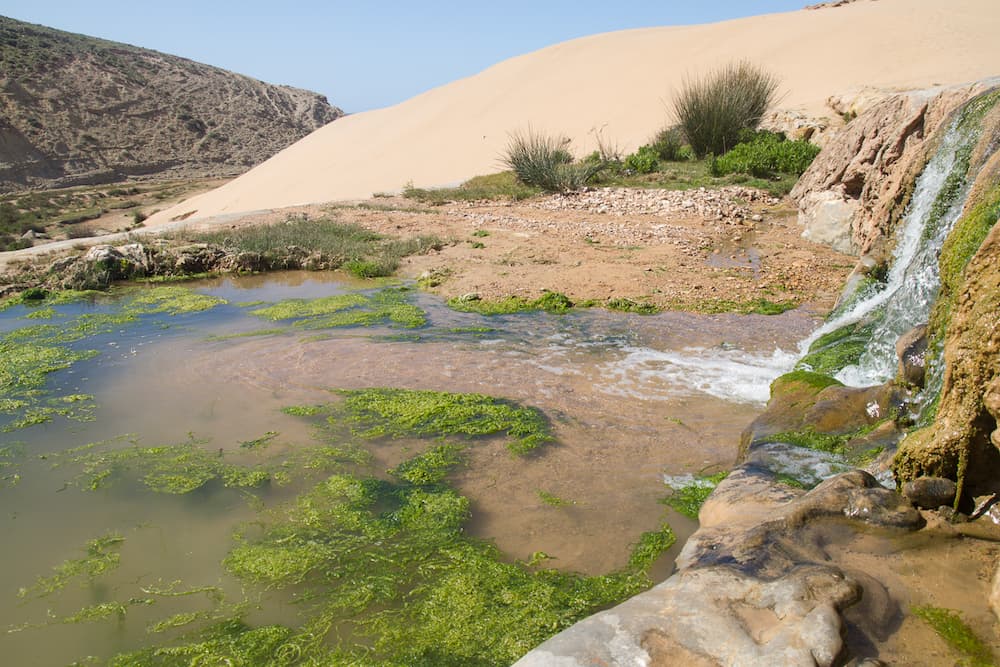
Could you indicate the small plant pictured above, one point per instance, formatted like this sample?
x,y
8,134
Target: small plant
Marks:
x,y
553,500
669,144
544,162
138,218
713,109
643,161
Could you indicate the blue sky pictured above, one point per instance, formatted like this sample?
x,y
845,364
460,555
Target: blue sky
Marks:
x,y
365,54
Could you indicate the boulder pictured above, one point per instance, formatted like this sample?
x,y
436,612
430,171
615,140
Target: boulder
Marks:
x,y
826,218
911,350
930,492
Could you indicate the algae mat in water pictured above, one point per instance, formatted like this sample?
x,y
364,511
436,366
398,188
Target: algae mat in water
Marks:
x,y
379,565
28,355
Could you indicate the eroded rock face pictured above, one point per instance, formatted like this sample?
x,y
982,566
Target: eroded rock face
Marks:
x,y
748,591
963,441
855,191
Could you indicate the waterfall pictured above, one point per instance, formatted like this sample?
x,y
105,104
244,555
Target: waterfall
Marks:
x,y
913,280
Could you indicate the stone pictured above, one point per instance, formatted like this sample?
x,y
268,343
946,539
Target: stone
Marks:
x,y
911,350
827,218
930,492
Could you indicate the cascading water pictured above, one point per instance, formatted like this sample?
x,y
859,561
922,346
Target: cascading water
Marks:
x,y
914,278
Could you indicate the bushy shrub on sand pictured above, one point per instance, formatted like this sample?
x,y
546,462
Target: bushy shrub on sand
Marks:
x,y
713,109
765,154
545,162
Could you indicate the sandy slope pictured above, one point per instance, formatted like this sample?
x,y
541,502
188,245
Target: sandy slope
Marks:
x,y
620,83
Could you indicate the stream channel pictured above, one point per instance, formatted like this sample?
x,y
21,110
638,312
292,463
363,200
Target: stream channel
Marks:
x,y
629,399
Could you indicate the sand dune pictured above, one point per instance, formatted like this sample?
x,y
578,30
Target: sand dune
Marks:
x,y
620,83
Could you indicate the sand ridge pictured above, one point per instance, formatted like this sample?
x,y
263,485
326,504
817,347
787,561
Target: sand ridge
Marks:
x,y
618,84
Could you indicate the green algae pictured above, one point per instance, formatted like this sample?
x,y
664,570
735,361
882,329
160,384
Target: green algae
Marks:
x,y
950,627
46,313
811,439
382,568
256,333
817,381
759,306
688,498
10,460
629,306
389,306
102,556
389,412
431,467
173,469
171,300
306,308
28,355
551,302
957,250
837,349
553,500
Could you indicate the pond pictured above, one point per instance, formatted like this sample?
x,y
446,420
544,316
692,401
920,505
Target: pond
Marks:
x,y
207,469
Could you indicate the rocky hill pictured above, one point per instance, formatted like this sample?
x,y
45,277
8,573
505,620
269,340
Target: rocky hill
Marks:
x,y
79,110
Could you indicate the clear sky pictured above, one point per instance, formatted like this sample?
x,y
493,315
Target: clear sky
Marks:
x,y
365,54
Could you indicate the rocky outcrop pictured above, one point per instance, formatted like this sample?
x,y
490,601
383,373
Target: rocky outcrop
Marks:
x,y
856,189
105,264
78,110
749,589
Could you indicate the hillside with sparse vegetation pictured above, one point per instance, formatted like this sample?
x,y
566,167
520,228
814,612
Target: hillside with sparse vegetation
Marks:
x,y
79,110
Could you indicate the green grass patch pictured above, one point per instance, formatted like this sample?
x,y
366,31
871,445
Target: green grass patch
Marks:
x,y
501,186
351,247
950,627
688,498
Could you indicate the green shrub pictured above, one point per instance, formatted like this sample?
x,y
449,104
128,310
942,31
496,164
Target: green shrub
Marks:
x,y
643,161
766,154
712,110
544,162
669,144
